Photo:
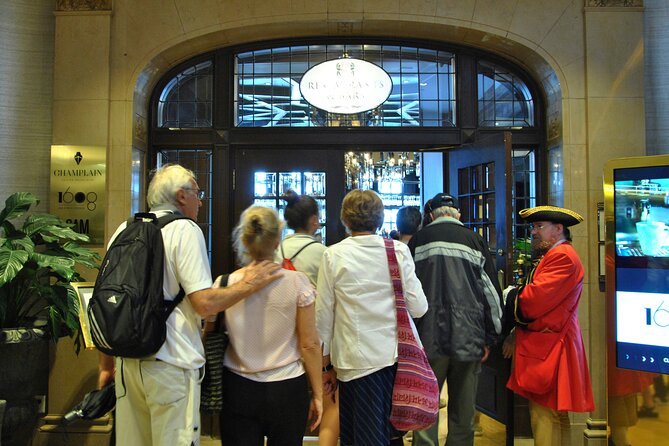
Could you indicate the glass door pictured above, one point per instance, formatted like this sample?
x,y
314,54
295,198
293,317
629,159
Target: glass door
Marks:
x,y
269,189
262,177
480,177
395,176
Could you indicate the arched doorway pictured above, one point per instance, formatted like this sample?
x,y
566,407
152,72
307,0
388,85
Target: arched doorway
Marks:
x,y
237,118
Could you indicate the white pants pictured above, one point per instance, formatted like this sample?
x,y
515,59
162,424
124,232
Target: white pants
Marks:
x,y
156,404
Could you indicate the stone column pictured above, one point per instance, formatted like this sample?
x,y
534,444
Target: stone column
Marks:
x,y
615,128
656,75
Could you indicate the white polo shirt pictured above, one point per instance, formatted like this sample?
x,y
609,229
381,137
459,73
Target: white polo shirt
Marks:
x,y
186,263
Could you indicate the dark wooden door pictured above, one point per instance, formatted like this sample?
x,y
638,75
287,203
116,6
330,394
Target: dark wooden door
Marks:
x,y
479,175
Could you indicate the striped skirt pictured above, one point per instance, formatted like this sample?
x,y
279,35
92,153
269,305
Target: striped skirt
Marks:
x,y
364,409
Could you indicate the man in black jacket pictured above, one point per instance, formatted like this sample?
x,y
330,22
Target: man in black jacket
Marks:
x,y
464,316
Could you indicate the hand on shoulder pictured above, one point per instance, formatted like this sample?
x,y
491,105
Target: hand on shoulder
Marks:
x,y
258,275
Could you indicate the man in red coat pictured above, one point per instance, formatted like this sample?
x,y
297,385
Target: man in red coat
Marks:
x,y
550,367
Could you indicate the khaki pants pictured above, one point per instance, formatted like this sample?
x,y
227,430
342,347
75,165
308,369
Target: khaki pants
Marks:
x,y
156,404
547,425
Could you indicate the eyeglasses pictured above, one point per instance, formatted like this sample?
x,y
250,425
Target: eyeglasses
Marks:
x,y
199,193
539,226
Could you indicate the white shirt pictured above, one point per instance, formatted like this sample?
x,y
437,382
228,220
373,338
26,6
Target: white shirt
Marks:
x,y
309,260
355,309
186,263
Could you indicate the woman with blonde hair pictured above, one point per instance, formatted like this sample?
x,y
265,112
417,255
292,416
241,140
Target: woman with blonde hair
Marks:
x,y
273,342
356,320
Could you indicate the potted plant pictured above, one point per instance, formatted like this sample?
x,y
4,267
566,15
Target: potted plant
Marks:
x,y
522,260
39,257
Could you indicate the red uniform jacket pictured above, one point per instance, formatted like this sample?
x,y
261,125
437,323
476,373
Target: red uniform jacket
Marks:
x,y
550,302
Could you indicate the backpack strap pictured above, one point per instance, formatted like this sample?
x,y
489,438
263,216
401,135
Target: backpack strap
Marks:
x,y
161,222
141,216
166,219
298,251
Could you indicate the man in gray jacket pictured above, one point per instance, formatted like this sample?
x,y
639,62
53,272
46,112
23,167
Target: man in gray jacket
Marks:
x,y
464,315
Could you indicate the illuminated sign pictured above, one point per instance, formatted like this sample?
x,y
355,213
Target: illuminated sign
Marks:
x,y
346,86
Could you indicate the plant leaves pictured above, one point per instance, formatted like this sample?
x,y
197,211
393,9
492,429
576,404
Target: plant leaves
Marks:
x,y
17,204
55,322
80,252
37,261
11,263
63,233
24,243
63,266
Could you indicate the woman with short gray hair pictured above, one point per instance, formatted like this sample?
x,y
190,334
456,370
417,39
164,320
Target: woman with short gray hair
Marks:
x,y
355,318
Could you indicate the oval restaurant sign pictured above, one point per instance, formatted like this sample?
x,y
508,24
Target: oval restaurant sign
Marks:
x,y
346,86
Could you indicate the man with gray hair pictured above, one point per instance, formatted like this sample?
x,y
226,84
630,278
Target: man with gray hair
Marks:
x,y
158,397
464,313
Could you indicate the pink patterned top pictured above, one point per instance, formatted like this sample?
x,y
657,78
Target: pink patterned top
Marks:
x,y
262,329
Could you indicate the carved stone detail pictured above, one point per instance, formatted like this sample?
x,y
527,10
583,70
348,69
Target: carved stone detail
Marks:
x,y
344,27
140,128
83,5
618,3
553,128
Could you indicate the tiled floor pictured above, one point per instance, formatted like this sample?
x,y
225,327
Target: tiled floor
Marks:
x,y
651,431
493,435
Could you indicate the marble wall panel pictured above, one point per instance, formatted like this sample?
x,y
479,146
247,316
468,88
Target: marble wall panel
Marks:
x,y
534,20
82,48
614,53
26,88
418,7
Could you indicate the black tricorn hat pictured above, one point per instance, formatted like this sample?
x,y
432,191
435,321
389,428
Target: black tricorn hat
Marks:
x,y
553,214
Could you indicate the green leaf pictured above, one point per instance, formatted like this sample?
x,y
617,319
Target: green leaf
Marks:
x,y
73,299
24,243
11,262
80,252
62,266
17,204
63,233
55,322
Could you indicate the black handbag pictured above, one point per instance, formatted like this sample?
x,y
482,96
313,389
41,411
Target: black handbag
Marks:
x,y
215,343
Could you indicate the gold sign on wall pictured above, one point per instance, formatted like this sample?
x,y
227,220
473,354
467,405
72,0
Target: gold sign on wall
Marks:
x,y
77,193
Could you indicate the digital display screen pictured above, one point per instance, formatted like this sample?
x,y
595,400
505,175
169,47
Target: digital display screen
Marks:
x,y
641,222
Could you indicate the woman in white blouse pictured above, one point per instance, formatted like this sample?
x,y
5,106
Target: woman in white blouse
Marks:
x,y
305,252
273,341
356,321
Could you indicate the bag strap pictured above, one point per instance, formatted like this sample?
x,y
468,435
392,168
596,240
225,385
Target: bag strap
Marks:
x,y
405,333
220,318
161,222
298,251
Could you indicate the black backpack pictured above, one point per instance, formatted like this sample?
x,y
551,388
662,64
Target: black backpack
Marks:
x,y
127,311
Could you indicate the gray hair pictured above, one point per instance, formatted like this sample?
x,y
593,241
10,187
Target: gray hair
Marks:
x,y
166,181
445,211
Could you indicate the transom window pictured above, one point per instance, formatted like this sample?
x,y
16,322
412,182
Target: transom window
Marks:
x,y
504,99
186,100
267,84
